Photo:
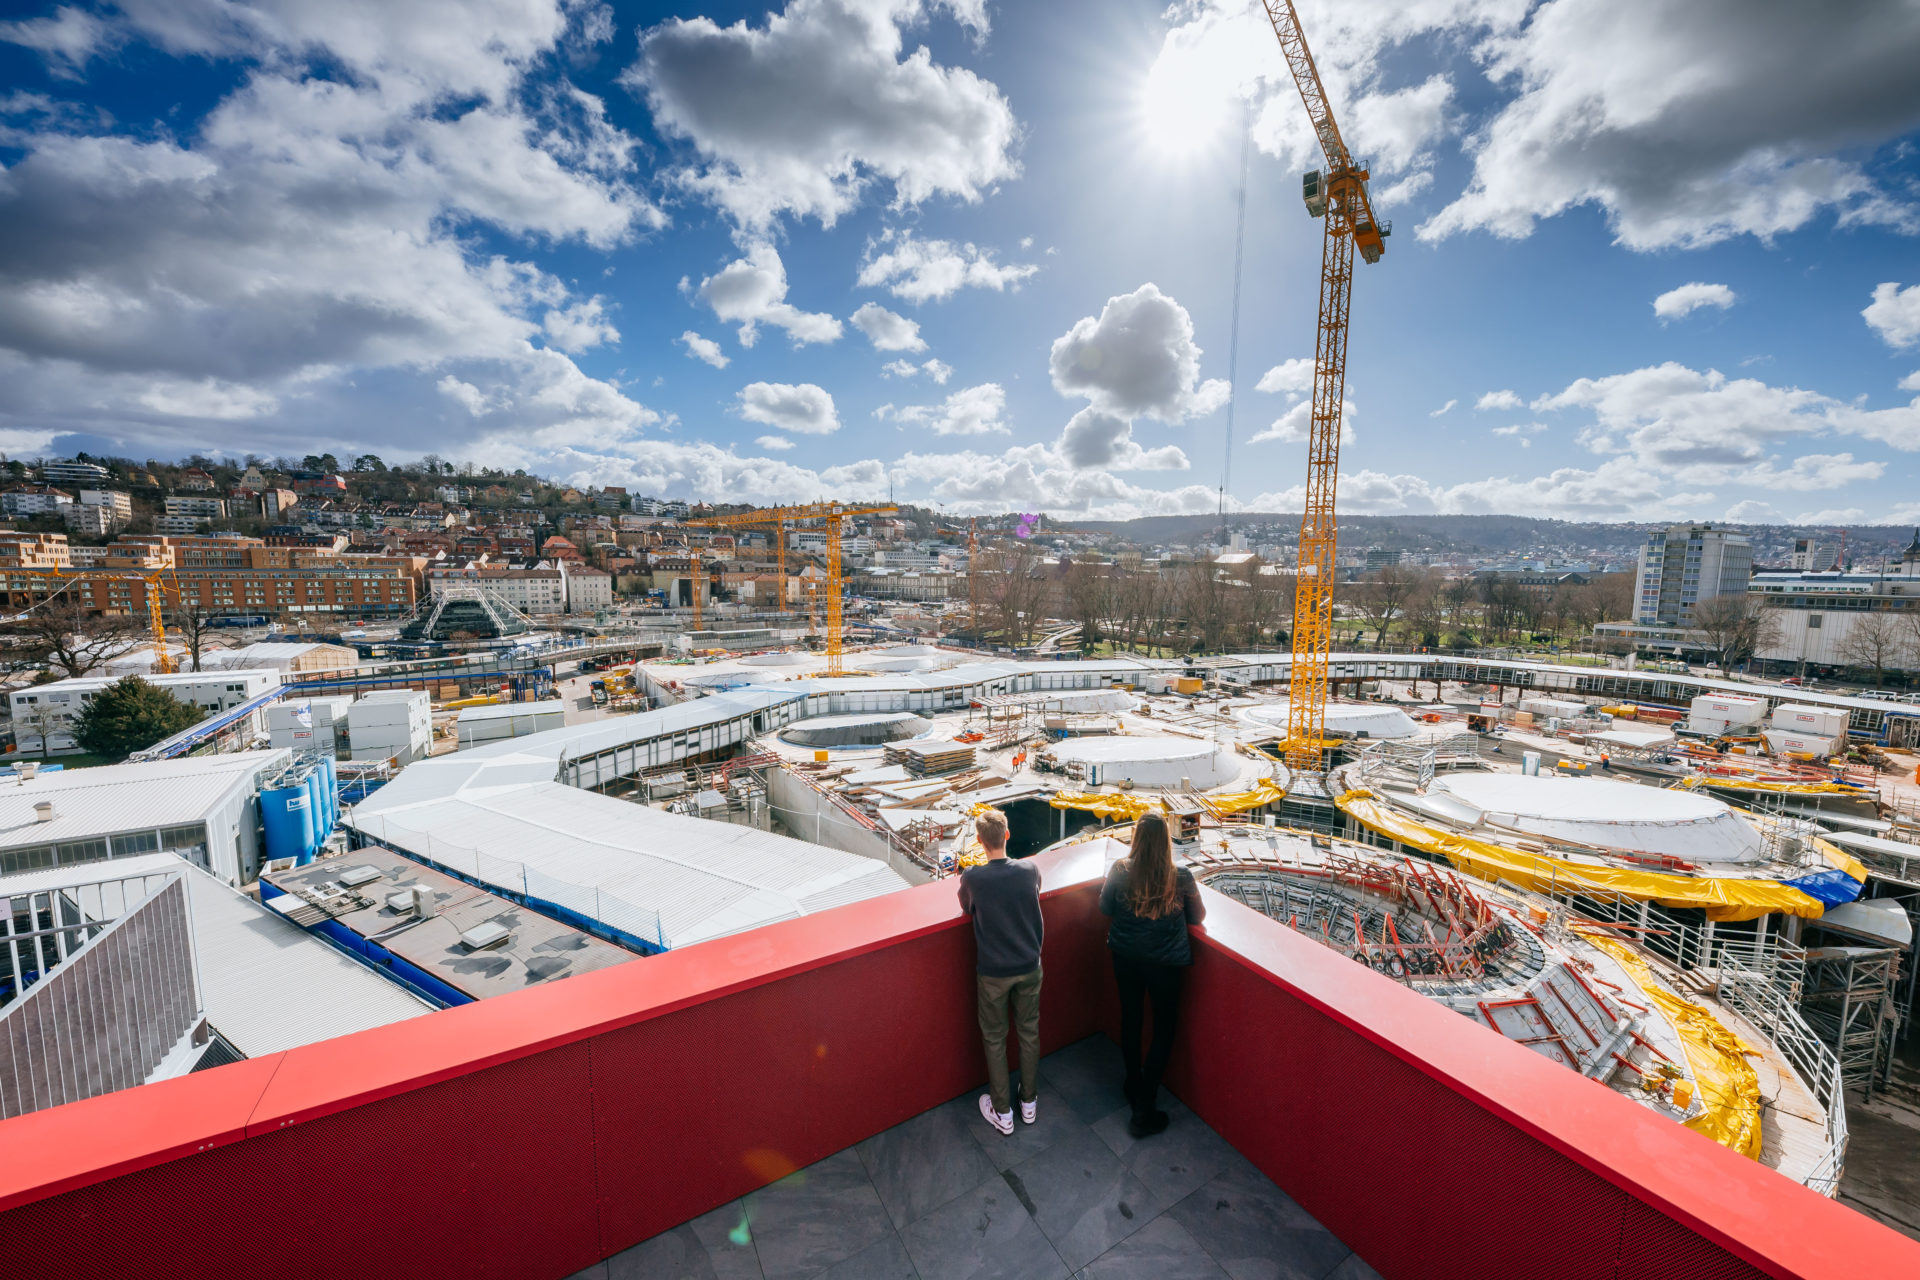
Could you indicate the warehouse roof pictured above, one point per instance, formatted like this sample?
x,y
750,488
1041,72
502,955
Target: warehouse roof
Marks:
x,y
123,797
501,818
266,984
512,710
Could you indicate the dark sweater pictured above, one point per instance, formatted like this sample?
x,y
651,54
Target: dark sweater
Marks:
x,y
1161,941
1004,899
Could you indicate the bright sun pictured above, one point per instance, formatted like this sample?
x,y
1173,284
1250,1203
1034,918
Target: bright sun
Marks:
x,y
1184,106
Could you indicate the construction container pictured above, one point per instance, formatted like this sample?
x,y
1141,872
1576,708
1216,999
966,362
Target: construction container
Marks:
x,y
1553,707
1718,713
1621,712
1786,742
1825,722
1188,684
394,724
312,724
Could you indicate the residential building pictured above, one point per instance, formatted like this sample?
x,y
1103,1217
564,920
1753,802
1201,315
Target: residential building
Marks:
x,y
179,526
193,478
535,592
34,500
111,500
588,588
69,471
275,503
34,550
92,522
1816,554
613,497
198,508
1684,566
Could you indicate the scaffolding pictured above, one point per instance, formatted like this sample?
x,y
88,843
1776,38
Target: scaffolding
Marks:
x,y
465,607
1849,1000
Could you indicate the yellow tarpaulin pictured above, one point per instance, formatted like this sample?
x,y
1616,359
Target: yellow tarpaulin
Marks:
x,y
1268,792
1841,859
1723,899
1119,806
1729,1086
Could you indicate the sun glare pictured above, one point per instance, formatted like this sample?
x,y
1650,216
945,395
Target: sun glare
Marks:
x,y
1185,107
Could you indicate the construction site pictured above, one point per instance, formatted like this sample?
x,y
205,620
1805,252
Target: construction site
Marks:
x,y
577,853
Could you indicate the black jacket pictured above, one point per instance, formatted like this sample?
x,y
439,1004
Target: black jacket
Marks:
x,y
1162,941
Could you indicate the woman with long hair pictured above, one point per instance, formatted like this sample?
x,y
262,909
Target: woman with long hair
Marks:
x,y
1150,903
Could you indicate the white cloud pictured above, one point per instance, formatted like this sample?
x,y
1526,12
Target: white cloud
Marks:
x,y
1033,478
973,411
312,251
1498,400
1753,511
1138,358
752,290
1522,432
805,408
1295,426
800,115
704,349
1675,303
67,40
1894,314
922,270
1832,515
1690,124
939,370
577,327
1703,423
1093,440
934,367
1911,382
899,369
779,443
1443,409
1295,377
886,330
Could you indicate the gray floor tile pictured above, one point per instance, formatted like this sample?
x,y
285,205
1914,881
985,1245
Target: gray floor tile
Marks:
x,y
920,1164
1354,1268
671,1255
1086,1075
729,1242
1082,1197
1173,1164
1056,1120
823,1214
886,1260
986,1234
1255,1231
1161,1250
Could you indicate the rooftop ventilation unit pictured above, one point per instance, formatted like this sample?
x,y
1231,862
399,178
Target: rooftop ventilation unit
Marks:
x,y
482,936
43,812
416,898
354,877
26,769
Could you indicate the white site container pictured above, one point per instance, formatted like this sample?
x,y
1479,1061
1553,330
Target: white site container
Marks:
x,y
1728,708
312,724
1781,742
1554,708
1826,722
392,724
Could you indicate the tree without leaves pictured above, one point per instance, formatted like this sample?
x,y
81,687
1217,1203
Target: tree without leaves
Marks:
x,y
1872,645
130,715
70,639
1383,596
1735,629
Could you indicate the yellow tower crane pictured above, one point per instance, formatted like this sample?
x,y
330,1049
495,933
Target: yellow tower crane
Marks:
x,y
155,599
1338,196
832,513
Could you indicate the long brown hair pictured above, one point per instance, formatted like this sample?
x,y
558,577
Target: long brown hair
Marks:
x,y
1152,889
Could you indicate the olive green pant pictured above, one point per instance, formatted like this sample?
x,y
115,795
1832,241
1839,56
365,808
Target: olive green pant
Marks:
x,y
1023,991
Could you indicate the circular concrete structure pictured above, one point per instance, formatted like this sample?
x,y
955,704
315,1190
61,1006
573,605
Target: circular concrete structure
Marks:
x,y
1607,814
1149,762
870,729
1360,719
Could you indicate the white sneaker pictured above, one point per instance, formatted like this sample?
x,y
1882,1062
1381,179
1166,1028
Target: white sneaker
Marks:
x,y
1029,1111
1001,1120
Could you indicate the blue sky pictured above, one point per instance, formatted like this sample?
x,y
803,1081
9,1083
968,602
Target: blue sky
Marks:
x,y
1651,260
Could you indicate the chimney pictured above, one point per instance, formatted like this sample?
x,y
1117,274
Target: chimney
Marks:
x,y
43,812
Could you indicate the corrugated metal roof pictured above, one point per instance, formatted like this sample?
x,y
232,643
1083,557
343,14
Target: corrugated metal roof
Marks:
x,y
268,985
486,817
512,710
124,797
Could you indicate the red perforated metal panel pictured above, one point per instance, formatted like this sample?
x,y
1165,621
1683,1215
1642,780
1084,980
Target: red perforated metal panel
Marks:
x,y
1655,1247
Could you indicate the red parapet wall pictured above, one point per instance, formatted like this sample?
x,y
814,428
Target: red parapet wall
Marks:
x,y
531,1135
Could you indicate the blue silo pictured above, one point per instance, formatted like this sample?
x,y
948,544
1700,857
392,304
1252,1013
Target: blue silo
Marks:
x,y
287,813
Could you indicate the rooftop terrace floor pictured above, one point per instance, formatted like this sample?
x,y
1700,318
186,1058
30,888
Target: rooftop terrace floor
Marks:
x,y
943,1196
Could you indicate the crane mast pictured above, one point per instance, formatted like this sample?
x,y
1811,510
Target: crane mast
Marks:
x,y
1338,196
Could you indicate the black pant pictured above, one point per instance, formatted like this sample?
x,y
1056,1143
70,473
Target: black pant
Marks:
x,y
1138,981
